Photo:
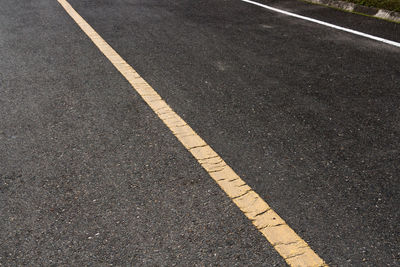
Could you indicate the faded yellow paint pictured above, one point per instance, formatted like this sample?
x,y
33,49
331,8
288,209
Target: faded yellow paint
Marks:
x,y
289,245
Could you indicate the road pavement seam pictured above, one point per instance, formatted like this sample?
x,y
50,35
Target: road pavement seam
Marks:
x,y
379,39
285,241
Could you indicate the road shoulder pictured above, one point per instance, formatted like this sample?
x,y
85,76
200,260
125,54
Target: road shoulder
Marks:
x,y
359,9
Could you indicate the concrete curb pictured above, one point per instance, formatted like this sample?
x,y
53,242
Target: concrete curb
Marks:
x,y
351,7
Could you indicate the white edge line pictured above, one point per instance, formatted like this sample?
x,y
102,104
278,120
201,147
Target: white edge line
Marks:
x,y
325,23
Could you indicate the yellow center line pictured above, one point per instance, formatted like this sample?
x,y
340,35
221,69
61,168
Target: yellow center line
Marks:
x,y
286,242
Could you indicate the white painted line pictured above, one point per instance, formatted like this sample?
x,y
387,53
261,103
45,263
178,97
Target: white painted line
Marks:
x,y
379,39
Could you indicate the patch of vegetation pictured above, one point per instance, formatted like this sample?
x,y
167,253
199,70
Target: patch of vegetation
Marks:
x,y
392,5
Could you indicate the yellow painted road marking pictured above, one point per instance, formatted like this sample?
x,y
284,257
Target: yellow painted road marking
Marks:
x,y
289,245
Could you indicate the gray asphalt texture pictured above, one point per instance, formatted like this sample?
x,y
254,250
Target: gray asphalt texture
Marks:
x,y
308,116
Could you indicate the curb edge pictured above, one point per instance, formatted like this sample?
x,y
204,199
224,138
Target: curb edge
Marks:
x,y
352,7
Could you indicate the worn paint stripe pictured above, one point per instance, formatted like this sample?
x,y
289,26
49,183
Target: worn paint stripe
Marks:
x,y
290,246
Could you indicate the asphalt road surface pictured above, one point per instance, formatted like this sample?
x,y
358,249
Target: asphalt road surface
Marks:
x,y
308,116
